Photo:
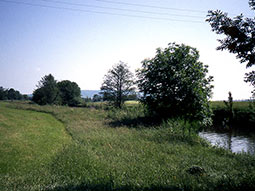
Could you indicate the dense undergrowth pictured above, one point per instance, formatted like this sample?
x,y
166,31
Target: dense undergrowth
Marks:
x,y
119,150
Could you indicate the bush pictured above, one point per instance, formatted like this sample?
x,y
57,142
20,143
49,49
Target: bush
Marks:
x,y
174,84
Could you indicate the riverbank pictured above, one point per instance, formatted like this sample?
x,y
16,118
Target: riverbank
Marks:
x,y
243,115
105,154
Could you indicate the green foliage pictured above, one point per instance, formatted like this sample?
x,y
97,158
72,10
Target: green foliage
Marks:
x,y
14,95
118,84
244,115
29,142
174,84
10,94
99,157
50,91
97,98
3,94
26,97
240,37
47,91
133,96
70,93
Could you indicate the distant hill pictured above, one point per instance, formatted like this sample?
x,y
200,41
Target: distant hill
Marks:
x,y
89,93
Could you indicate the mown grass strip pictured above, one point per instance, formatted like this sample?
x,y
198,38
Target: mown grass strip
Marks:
x,y
28,142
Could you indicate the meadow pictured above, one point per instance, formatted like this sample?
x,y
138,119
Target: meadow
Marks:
x,y
57,148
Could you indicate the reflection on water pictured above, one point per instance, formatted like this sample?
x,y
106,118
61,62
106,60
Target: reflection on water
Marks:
x,y
235,141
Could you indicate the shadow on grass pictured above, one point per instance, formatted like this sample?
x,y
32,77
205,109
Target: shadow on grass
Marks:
x,y
138,122
133,117
109,187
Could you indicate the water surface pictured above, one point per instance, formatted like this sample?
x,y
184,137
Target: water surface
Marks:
x,y
235,141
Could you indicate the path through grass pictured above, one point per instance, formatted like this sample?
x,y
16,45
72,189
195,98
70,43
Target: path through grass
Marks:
x,y
28,142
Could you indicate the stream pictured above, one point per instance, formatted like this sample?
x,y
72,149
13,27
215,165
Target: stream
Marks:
x,y
236,141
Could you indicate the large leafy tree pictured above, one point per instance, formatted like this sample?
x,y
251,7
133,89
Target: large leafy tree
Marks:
x,y
47,91
239,37
118,84
175,84
70,93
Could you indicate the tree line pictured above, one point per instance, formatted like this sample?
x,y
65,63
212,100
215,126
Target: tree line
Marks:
x,y
133,96
11,94
49,91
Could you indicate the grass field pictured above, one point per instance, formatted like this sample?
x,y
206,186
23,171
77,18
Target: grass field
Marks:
x,y
57,148
28,143
236,104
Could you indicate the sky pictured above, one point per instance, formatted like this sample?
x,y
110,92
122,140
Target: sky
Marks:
x,y
80,40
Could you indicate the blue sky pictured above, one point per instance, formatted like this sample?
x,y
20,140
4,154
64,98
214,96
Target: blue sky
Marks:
x,y
80,43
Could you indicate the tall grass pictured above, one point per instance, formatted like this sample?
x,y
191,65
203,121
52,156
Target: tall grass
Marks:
x,y
101,156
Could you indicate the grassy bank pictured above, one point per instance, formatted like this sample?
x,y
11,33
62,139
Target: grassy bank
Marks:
x,y
244,115
112,150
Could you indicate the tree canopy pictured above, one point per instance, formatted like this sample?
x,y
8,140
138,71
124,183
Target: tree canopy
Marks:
x,y
47,91
10,94
50,91
118,84
174,84
239,37
70,92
